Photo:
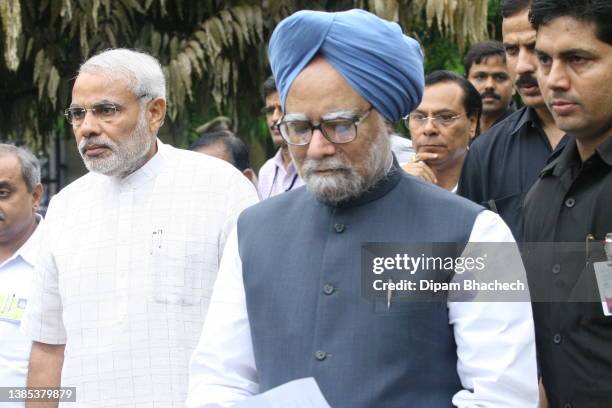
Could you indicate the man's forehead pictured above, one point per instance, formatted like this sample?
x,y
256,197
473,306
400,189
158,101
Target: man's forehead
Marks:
x,y
442,96
566,34
517,29
99,85
490,62
10,169
520,37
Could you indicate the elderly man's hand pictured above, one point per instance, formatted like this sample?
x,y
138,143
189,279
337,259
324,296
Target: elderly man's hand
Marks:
x,y
419,168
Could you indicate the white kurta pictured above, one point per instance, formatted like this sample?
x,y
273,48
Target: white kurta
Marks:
x,y
495,341
126,271
15,278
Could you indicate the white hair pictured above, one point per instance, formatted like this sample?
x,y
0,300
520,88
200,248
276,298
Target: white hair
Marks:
x,y
142,72
30,166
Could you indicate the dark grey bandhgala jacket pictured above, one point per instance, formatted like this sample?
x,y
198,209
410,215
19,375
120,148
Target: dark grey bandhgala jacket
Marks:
x,y
301,270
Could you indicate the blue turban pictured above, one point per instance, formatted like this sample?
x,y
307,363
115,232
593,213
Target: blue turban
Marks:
x,y
373,55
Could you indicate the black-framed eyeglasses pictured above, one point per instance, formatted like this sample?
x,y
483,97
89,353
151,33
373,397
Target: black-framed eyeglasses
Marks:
x,y
299,132
105,111
442,119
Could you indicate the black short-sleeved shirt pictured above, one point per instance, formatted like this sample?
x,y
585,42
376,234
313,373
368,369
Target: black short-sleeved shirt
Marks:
x,y
504,162
571,203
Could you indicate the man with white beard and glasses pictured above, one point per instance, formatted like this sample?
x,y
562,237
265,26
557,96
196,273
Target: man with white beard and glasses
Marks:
x,y
287,302
129,251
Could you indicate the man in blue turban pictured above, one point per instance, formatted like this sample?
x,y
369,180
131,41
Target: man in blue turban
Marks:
x,y
287,303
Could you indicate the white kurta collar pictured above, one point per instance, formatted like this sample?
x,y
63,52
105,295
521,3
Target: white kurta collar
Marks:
x,y
147,172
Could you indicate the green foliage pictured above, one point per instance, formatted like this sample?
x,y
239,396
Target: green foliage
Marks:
x,y
213,53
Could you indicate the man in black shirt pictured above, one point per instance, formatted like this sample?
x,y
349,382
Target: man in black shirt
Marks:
x,y
504,162
572,203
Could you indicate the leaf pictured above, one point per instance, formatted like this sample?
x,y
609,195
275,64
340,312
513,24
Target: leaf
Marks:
x,y
174,46
94,13
39,61
156,39
195,62
110,35
52,85
10,16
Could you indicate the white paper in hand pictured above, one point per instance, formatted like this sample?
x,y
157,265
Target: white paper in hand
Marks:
x,y
302,393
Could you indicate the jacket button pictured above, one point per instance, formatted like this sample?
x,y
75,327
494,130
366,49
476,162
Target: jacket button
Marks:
x,y
328,289
320,355
556,269
557,338
570,202
339,228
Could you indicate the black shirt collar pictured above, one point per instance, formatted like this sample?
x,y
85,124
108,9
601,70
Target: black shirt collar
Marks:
x,y
605,151
509,111
528,117
570,157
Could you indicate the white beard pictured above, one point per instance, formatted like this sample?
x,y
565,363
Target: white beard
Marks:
x,y
126,156
346,183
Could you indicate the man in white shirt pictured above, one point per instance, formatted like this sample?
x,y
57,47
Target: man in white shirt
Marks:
x,y
131,249
20,194
278,174
288,300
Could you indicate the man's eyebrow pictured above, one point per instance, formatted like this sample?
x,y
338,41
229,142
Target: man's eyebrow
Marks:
x,y
295,116
100,102
5,184
437,112
578,51
341,114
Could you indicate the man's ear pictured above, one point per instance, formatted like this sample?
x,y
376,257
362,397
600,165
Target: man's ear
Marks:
x,y
473,126
156,112
37,194
250,174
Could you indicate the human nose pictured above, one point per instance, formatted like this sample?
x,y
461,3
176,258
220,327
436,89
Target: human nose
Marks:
x,y
557,78
89,125
526,61
319,146
276,113
429,125
490,83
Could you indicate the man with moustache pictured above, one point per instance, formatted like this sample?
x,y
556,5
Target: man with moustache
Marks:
x,y
20,194
486,69
504,162
130,250
571,204
278,174
287,303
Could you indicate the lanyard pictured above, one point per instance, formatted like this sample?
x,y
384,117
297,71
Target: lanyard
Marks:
x,y
295,176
